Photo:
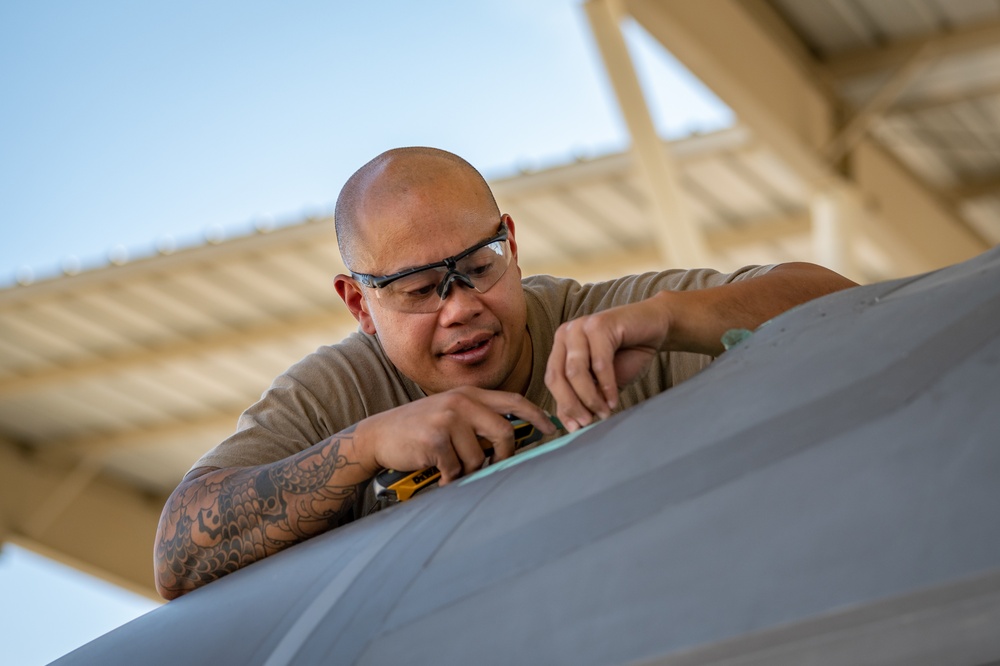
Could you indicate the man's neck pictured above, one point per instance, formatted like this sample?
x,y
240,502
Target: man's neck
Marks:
x,y
520,377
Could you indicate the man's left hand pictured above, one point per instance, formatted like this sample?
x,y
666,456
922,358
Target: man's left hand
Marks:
x,y
594,356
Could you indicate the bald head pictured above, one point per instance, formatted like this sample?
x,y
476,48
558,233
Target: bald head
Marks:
x,y
393,176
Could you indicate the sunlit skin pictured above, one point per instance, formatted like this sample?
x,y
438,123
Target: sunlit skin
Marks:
x,y
474,339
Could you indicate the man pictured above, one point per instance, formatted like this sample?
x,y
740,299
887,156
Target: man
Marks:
x,y
450,340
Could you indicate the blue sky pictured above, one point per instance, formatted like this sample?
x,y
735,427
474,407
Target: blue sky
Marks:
x,y
122,123
48,609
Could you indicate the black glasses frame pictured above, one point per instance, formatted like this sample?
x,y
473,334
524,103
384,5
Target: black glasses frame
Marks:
x,y
380,281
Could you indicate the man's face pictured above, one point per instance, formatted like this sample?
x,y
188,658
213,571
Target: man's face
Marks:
x,y
473,339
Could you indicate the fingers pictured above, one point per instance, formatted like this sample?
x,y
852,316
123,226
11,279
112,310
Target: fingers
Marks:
x,y
501,402
449,431
590,363
452,425
468,453
497,431
581,374
476,424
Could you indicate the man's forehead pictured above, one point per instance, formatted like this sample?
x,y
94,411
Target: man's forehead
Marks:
x,y
413,208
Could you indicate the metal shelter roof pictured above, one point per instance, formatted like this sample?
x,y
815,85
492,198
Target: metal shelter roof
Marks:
x,y
929,72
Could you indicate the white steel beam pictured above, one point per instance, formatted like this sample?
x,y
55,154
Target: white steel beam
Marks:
x,y
835,216
314,232
864,61
336,323
976,189
684,152
942,98
758,231
107,530
680,240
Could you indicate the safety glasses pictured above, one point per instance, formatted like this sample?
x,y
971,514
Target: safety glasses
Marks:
x,y
424,288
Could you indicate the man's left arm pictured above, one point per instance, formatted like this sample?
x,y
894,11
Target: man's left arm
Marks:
x,y
594,356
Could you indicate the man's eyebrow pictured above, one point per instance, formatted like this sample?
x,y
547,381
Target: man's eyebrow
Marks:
x,y
441,261
416,266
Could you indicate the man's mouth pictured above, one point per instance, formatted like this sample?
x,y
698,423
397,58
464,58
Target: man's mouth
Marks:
x,y
470,350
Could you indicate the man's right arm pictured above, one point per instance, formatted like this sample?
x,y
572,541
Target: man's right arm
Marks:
x,y
219,520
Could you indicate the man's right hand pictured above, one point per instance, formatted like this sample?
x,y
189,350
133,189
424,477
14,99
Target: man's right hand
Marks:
x,y
447,430
218,520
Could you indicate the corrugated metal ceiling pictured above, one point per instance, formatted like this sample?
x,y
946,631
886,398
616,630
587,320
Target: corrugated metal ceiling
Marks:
x,y
945,124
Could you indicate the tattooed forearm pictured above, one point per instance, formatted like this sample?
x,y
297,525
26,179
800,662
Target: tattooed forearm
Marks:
x,y
215,524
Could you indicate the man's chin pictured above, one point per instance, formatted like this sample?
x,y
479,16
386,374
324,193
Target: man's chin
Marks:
x,y
481,377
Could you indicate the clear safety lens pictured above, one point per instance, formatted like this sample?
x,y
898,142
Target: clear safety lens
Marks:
x,y
425,291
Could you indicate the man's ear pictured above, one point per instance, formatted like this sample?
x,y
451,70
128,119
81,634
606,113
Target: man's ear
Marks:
x,y
510,235
512,240
350,292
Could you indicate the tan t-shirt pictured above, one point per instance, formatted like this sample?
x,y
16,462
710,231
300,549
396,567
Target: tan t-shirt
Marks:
x,y
339,385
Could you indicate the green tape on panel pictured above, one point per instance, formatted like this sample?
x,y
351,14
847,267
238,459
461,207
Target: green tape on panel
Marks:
x,y
527,455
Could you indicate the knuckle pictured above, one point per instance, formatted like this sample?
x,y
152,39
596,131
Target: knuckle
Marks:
x,y
439,421
438,447
463,394
450,469
477,459
453,399
516,397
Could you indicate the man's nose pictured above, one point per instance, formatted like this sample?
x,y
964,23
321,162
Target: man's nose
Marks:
x,y
460,304
450,280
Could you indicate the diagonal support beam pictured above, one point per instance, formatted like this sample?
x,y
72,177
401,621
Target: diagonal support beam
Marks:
x,y
879,104
721,45
865,61
680,240
62,497
116,547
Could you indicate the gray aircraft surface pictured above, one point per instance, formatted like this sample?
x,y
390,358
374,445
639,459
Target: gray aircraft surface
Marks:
x,y
826,492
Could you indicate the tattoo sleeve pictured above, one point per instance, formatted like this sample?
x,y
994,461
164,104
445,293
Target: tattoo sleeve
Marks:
x,y
227,519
